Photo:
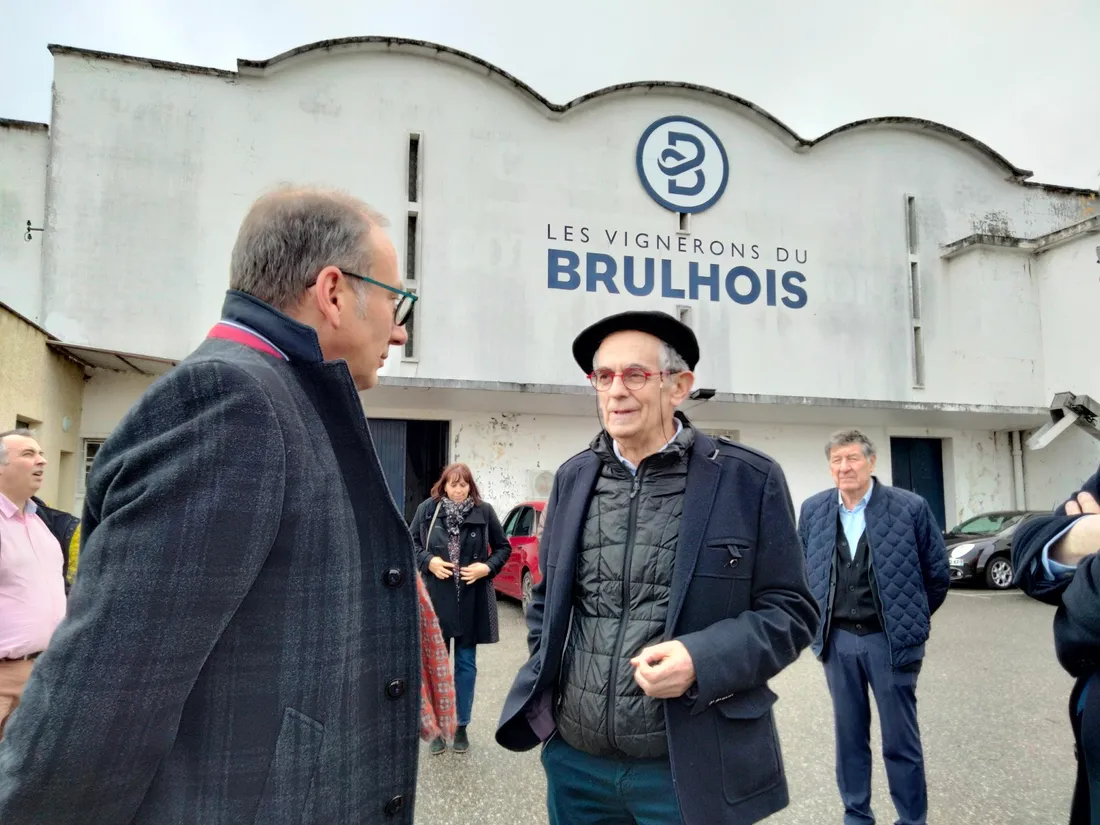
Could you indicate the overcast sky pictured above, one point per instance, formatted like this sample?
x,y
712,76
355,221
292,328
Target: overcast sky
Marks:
x,y
1019,75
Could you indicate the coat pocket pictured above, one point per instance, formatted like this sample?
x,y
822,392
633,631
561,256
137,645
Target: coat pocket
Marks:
x,y
293,768
727,558
748,744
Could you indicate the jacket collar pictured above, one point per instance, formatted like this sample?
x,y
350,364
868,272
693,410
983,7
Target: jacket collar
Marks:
x,y
294,338
605,449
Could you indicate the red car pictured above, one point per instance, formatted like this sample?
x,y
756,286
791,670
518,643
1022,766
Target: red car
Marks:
x,y
523,527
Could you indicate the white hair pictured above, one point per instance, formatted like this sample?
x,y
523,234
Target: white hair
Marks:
x,y
669,360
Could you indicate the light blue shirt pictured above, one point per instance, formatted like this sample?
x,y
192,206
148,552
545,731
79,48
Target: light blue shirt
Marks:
x,y
630,467
854,521
1056,570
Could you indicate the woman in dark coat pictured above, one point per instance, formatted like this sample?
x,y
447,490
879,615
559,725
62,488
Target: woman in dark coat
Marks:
x,y
460,547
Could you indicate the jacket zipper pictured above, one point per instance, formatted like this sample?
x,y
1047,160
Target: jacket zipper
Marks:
x,y
631,526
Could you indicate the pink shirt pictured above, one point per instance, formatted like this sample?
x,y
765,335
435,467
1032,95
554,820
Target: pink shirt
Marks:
x,y
32,583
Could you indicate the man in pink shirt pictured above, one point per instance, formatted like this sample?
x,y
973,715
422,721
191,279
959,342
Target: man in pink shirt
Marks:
x,y
32,575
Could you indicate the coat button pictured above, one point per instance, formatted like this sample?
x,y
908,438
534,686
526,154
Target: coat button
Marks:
x,y
396,689
395,805
393,577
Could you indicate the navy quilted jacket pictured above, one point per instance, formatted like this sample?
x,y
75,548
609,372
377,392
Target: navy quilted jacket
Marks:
x,y
908,564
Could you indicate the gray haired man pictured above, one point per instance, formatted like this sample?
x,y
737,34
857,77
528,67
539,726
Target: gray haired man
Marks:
x,y
878,570
242,639
673,589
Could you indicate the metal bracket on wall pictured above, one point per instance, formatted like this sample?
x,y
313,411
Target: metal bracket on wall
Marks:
x,y
1066,410
27,235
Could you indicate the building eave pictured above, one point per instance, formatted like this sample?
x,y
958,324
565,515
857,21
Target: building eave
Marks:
x,y
23,125
428,394
99,358
1029,246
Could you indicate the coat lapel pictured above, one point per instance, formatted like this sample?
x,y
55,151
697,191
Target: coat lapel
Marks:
x,y
702,487
569,520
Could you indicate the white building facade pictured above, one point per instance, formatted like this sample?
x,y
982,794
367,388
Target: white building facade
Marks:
x,y
894,275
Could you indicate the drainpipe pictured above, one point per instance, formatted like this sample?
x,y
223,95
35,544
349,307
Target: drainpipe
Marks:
x,y
1018,468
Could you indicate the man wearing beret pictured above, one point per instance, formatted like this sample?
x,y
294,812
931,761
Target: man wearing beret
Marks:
x,y
673,589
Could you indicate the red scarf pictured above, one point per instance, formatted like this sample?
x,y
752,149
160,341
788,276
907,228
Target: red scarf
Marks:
x,y
437,686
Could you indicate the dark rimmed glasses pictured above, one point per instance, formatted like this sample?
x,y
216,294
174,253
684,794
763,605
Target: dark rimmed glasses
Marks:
x,y
634,378
404,306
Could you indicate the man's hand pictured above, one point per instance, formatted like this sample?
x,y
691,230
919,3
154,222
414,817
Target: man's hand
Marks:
x,y
665,670
477,570
1083,539
441,569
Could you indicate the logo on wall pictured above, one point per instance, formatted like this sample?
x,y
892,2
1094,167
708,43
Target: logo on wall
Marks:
x,y
682,164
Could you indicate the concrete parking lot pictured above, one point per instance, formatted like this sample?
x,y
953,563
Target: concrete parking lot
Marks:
x,y
992,712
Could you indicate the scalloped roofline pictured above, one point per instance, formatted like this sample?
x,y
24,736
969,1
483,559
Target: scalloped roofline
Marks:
x,y
401,45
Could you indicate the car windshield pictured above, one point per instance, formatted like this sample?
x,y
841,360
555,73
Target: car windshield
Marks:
x,y
987,523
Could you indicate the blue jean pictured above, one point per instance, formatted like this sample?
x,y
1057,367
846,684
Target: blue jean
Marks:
x,y
851,664
465,677
582,789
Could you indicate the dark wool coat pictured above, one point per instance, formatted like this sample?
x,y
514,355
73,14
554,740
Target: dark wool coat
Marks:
x,y
471,614
740,603
1076,639
242,643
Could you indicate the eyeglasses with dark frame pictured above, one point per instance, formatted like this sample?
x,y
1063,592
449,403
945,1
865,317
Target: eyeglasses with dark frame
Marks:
x,y
404,306
634,378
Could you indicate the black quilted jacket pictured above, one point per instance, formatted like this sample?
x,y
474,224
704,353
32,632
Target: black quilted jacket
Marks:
x,y
620,602
908,563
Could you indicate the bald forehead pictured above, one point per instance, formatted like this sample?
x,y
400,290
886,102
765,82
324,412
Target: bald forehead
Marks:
x,y
630,347
16,444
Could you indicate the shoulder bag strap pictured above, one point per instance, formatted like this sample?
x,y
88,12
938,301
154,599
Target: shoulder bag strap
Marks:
x,y
431,526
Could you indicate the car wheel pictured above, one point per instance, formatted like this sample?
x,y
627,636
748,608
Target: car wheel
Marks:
x,y
526,586
998,573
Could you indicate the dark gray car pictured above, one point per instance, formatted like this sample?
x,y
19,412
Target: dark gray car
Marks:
x,y
980,549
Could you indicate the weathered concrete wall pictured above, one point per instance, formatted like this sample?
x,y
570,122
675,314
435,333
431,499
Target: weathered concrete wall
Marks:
x,y
1056,471
24,148
153,169
1069,292
41,387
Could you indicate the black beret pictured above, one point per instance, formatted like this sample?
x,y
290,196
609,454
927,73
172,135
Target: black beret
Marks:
x,y
658,324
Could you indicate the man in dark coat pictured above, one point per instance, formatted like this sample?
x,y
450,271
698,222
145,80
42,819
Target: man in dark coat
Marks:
x,y
241,642
1056,562
673,589
878,569
63,525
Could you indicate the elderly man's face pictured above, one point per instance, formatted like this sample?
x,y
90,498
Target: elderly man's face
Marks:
x,y
851,469
21,476
644,414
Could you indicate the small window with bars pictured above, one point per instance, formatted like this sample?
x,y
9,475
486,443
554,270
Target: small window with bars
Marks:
x,y
91,450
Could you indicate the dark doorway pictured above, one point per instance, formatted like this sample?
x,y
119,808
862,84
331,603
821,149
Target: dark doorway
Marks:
x,y
426,456
412,454
918,466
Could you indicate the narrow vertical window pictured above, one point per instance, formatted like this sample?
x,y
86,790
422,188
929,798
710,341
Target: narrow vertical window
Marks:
x,y
911,223
914,288
410,329
685,222
411,270
414,168
918,357
684,314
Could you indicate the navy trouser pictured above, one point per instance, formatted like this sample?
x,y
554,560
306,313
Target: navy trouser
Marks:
x,y
582,789
851,664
